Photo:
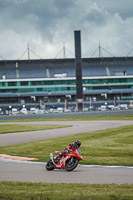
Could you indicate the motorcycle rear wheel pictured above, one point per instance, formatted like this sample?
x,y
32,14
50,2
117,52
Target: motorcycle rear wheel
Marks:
x,y
50,165
71,164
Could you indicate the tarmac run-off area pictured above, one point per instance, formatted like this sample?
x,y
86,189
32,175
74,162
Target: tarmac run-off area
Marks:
x,y
15,170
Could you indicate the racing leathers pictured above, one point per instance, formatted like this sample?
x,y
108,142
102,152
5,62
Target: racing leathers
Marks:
x,y
69,147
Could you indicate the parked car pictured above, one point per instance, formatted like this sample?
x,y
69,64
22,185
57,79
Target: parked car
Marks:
x,y
40,112
14,111
60,110
33,110
67,110
102,108
24,111
123,107
1,111
112,107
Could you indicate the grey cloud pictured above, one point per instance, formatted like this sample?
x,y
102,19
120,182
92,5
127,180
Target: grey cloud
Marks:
x,y
124,8
47,24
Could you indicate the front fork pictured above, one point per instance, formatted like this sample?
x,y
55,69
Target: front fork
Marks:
x,y
52,158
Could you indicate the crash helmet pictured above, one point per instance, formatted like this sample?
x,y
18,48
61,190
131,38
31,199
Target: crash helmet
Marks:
x,y
77,144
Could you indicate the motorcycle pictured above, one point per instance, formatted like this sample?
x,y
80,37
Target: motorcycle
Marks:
x,y
68,160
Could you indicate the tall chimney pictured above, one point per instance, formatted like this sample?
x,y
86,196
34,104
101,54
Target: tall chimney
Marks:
x,y
78,63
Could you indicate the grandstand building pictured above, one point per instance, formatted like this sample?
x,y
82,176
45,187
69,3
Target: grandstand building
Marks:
x,y
53,80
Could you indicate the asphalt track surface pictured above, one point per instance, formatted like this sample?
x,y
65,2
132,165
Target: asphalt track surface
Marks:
x,y
36,172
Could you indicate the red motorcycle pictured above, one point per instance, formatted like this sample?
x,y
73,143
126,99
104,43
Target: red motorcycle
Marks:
x,y
68,160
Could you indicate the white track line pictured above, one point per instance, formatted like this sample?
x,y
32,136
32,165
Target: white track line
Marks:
x,y
44,163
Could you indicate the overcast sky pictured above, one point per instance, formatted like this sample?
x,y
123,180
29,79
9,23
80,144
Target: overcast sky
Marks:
x,y
48,26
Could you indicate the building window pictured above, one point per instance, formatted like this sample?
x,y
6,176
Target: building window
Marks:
x,y
12,83
24,83
37,83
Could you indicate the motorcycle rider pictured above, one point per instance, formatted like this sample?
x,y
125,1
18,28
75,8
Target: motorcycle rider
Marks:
x,y
72,147
67,159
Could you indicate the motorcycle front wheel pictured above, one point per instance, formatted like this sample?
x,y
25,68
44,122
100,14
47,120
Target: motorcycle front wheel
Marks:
x,y
50,165
71,164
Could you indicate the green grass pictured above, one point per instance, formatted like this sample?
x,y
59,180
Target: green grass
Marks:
x,y
111,146
62,191
104,147
121,117
11,128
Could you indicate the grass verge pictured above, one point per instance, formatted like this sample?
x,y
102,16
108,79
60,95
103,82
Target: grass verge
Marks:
x,y
12,128
121,117
104,147
62,191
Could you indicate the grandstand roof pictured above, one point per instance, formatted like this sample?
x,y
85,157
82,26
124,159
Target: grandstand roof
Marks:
x,y
49,68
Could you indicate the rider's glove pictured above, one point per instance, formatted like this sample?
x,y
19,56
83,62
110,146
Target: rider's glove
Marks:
x,y
63,151
60,153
